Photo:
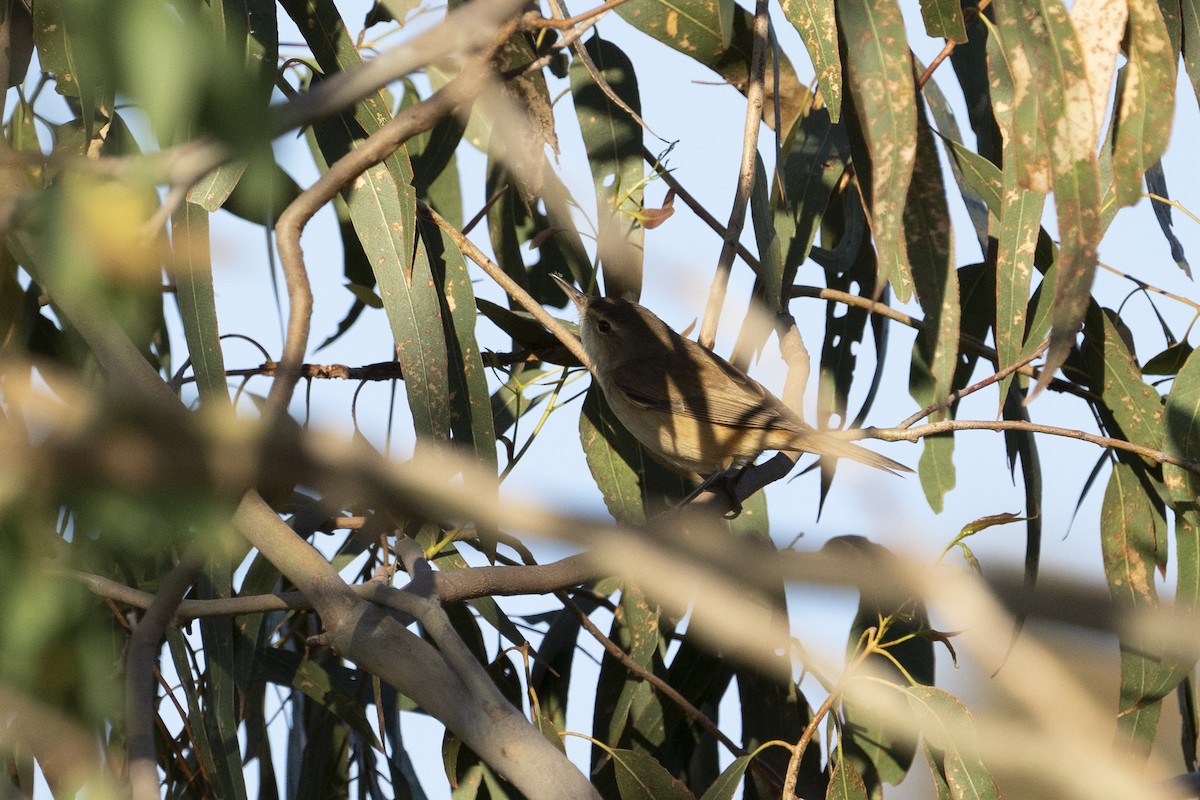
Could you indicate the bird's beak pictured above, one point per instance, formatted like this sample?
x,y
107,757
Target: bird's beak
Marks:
x,y
577,297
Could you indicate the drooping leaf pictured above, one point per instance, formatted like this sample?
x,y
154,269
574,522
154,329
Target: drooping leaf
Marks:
x,y
613,140
927,228
719,34
1131,520
220,692
947,128
845,783
879,76
727,784
1113,374
1181,438
197,303
471,421
816,152
770,249
1156,184
640,777
629,478
816,22
1068,122
1146,105
947,726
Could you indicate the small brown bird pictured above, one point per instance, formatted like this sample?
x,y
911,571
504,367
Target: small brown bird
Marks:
x,y
687,405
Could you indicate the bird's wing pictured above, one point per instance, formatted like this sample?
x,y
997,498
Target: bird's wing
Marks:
x,y
718,393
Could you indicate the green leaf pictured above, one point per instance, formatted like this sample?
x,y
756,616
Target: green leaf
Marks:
x,y
1156,183
947,726
1182,439
220,692
520,325
333,688
844,327
727,784
944,20
1017,108
889,752
719,34
937,772
382,205
471,420
1146,105
1055,54
1113,374
947,129
220,780
613,141
935,468
816,22
640,777
1131,521
1169,361
71,56
816,152
770,251
1017,242
639,636
845,783
980,174
631,481
1190,28
211,191
879,74
197,303
927,229
1020,211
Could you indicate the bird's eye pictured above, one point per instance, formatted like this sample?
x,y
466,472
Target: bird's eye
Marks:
x,y
604,326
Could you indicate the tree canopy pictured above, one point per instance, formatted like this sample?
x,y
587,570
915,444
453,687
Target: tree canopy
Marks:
x,y
206,592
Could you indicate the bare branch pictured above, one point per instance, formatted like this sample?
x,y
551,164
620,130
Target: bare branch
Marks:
x,y
946,426
509,285
378,146
145,643
741,198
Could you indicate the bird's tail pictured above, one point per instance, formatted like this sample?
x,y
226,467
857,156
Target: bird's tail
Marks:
x,y
831,445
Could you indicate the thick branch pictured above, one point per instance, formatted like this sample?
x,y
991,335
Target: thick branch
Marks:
x,y
450,587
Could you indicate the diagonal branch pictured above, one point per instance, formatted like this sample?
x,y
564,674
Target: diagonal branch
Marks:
x,y
378,146
741,198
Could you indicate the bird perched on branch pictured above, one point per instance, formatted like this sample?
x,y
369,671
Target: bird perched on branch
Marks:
x,y
688,406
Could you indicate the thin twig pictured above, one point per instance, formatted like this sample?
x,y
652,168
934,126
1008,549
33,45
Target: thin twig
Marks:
x,y
975,387
559,8
697,208
509,285
562,22
946,426
810,730
741,198
1148,287
968,343
450,587
950,45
